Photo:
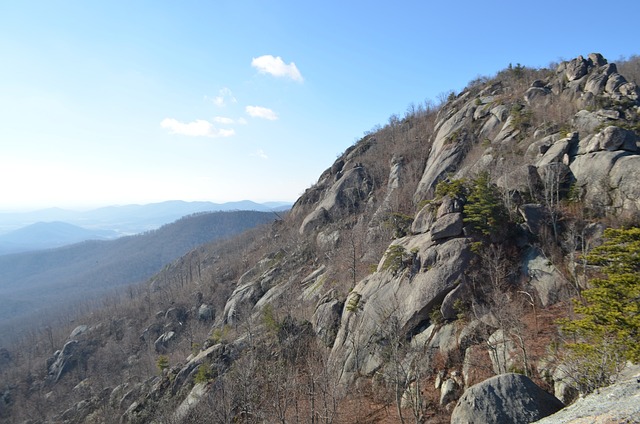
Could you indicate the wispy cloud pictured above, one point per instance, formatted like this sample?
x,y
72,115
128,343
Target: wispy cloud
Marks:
x,y
261,112
260,154
275,66
229,121
225,95
197,128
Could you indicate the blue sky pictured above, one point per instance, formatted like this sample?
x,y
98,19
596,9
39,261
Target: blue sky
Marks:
x,y
116,102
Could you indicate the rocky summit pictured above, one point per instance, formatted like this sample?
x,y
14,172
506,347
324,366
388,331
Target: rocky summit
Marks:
x,y
424,277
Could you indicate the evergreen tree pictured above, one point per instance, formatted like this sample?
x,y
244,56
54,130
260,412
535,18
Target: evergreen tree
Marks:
x,y
484,210
608,330
612,307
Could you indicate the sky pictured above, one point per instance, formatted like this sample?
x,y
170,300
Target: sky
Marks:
x,y
120,102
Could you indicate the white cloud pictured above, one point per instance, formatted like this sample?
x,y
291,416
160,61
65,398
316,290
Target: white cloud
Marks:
x,y
260,154
229,121
275,66
224,95
197,128
223,120
261,112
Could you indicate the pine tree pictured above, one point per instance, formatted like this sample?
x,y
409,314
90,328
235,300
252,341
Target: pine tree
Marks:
x,y
484,210
608,328
613,303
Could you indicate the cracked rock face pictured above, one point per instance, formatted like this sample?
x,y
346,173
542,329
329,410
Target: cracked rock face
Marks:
x,y
409,296
343,197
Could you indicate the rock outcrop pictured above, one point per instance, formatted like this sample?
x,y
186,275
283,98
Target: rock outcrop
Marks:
x,y
406,294
350,189
506,398
617,403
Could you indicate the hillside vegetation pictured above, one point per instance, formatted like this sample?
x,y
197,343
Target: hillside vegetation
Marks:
x,y
428,272
35,286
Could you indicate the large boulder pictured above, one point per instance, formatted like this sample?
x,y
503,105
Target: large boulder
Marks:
x,y
611,138
623,178
591,173
162,342
545,278
449,225
424,219
505,399
448,391
192,400
78,331
65,360
206,312
586,122
242,301
537,95
523,179
558,150
576,69
438,338
175,314
432,211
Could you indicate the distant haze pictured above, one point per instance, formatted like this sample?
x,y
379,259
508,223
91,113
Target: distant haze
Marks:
x,y
128,219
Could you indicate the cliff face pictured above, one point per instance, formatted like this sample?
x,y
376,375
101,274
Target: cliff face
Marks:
x,y
538,161
437,251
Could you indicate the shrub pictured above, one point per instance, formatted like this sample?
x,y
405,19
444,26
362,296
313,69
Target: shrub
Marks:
x,y
399,223
394,260
269,319
435,316
203,375
162,363
520,118
353,302
218,335
452,188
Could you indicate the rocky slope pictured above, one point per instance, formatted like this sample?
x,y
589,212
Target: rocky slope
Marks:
x,y
433,254
617,403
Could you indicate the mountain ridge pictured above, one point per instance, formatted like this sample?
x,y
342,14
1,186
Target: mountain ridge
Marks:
x,y
130,218
47,235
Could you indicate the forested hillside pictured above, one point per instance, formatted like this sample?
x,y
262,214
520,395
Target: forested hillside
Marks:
x,y
471,261
36,285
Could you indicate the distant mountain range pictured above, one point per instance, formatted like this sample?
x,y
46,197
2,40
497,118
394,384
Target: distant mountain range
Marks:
x,y
47,235
54,227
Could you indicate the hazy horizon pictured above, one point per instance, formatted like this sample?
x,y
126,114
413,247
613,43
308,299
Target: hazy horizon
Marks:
x,y
85,208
